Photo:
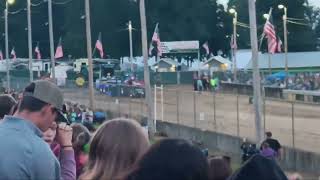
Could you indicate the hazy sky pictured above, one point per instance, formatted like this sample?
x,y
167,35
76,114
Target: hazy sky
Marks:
x,y
313,2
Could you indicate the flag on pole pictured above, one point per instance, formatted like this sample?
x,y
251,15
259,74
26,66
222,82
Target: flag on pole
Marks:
x,y
269,31
59,51
99,46
233,43
206,47
13,54
37,51
1,55
156,40
279,45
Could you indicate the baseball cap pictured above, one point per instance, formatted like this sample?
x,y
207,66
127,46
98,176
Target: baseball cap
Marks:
x,y
50,93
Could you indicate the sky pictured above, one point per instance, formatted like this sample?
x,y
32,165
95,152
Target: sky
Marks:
x,y
312,2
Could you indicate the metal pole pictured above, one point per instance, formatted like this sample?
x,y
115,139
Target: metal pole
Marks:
x,y
256,73
235,20
293,137
285,39
53,73
7,45
238,118
155,104
177,103
131,49
148,97
269,63
89,53
194,110
214,112
162,115
30,40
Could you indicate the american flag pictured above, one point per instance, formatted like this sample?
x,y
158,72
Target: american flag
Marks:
x,y
99,46
233,43
1,55
279,45
59,51
156,40
37,51
206,47
270,33
13,54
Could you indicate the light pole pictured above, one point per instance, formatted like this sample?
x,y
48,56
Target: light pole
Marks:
x,y
130,41
89,53
256,73
30,40
51,40
285,35
8,2
234,40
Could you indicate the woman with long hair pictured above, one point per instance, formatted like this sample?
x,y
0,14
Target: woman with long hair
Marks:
x,y
114,149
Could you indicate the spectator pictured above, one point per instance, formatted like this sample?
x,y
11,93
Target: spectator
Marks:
x,y
267,152
23,154
259,167
219,168
59,138
80,141
295,176
115,147
249,149
7,103
274,144
171,159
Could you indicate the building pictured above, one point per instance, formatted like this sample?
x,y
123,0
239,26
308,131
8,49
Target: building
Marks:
x,y
169,65
297,62
217,63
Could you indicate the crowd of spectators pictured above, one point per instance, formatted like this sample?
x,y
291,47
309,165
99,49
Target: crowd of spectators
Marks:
x,y
43,138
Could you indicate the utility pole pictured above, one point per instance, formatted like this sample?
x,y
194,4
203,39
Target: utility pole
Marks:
x,y
7,45
51,40
89,53
30,40
256,74
130,40
235,20
285,38
151,124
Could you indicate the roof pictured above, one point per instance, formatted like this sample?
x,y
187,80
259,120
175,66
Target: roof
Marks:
x,y
168,61
220,59
295,60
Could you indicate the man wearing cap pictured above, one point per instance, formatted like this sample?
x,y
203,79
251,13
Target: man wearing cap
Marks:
x,y
23,153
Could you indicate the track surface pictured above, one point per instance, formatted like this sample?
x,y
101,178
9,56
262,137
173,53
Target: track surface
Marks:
x,y
219,113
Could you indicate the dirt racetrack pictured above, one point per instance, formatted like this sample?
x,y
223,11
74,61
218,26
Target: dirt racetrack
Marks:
x,y
225,113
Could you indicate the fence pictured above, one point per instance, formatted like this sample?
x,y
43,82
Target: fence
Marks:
x,y
293,124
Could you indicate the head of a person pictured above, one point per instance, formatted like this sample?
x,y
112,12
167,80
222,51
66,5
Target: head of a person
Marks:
x,y
7,103
80,137
295,176
219,168
50,134
269,134
265,145
115,147
41,103
171,159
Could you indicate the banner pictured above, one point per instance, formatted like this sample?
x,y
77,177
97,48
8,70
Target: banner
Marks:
x,y
180,47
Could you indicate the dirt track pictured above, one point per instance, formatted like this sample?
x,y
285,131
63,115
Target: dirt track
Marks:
x,y
220,113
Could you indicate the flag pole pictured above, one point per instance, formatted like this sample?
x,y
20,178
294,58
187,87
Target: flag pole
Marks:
x,y
269,63
53,73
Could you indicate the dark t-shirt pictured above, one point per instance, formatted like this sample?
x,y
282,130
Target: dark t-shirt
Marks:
x,y
274,144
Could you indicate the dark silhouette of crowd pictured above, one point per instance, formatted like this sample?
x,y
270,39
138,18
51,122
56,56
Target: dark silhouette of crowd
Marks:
x,y
40,141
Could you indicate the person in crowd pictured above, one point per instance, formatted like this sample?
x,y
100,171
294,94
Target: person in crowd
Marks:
x,y
59,138
199,84
80,141
23,153
219,168
7,103
249,149
260,168
171,159
267,152
115,147
274,144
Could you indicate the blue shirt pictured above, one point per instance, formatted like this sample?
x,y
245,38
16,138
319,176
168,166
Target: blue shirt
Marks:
x,y
23,153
